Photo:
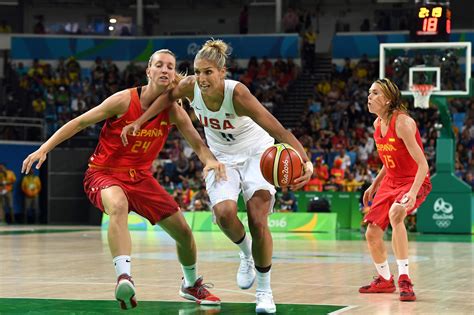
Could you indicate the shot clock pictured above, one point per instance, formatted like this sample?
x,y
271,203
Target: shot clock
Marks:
x,y
431,22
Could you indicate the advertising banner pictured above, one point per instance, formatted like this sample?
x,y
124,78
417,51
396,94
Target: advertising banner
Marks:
x,y
139,49
278,222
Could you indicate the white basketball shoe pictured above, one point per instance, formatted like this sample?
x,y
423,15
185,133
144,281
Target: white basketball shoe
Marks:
x,y
265,304
246,274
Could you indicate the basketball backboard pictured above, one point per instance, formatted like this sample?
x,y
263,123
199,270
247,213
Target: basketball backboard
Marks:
x,y
446,66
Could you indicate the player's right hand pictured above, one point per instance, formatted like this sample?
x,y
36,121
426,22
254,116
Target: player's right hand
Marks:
x,y
131,129
219,169
37,156
301,181
369,195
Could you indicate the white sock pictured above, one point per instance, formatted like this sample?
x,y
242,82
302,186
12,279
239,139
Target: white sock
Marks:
x,y
122,264
384,270
246,246
189,273
402,267
263,281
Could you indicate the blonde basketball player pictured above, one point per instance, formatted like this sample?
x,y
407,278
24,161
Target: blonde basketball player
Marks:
x,y
238,129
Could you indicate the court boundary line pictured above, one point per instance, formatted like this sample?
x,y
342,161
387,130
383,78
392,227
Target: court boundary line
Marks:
x,y
343,310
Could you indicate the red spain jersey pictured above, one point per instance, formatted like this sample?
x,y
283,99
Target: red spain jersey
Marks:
x,y
394,154
141,149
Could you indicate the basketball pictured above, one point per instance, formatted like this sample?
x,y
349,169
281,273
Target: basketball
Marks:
x,y
280,165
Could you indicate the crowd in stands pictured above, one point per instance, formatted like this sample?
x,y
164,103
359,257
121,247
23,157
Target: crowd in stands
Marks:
x,y
59,92
63,91
336,129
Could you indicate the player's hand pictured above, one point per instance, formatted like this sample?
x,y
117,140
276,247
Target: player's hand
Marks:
x,y
217,167
408,200
369,195
131,129
37,156
303,179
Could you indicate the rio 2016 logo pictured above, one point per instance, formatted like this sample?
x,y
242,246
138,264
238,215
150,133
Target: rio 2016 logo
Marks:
x,y
285,171
443,213
272,222
193,49
279,223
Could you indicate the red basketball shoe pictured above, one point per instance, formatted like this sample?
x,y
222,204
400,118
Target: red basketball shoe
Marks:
x,y
125,292
406,288
379,285
199,293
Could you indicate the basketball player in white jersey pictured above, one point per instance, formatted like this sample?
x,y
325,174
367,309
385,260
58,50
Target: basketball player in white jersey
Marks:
x,y
238,129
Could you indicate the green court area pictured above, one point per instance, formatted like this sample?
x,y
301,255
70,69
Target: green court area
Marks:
x,y
79,307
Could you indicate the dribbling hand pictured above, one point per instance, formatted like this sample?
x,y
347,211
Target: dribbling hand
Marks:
x,y
37,156
131,129
303,179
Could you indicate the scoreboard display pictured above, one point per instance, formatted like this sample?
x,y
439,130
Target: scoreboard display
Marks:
x,y
431,22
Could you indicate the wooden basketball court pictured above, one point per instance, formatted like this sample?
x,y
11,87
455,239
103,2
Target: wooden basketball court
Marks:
x,y
65,270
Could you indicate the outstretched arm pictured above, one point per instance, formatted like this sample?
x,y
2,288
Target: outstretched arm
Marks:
x,y
180,118
116,104
247,105
184,88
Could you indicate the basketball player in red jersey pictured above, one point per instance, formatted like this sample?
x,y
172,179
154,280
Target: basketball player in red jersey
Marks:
x,y
119,179
400,187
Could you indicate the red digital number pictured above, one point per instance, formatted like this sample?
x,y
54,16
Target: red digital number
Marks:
x,y
430,24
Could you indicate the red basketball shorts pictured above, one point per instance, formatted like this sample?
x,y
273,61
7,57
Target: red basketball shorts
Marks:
x,y
144,194
391,191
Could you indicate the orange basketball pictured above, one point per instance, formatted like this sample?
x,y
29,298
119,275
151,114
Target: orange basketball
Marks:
x,y
281,165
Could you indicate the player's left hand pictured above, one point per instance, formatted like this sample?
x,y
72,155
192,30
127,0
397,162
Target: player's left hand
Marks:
x,y
131,129
219,170
303,179
408,200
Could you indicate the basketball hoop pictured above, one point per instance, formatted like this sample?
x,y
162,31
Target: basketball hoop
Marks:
x,y
422,93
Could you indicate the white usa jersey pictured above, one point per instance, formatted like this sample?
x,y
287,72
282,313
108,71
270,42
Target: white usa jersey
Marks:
x,y
227,133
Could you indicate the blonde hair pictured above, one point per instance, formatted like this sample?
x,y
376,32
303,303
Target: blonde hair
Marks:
x,y
214,50
390,90
179,76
